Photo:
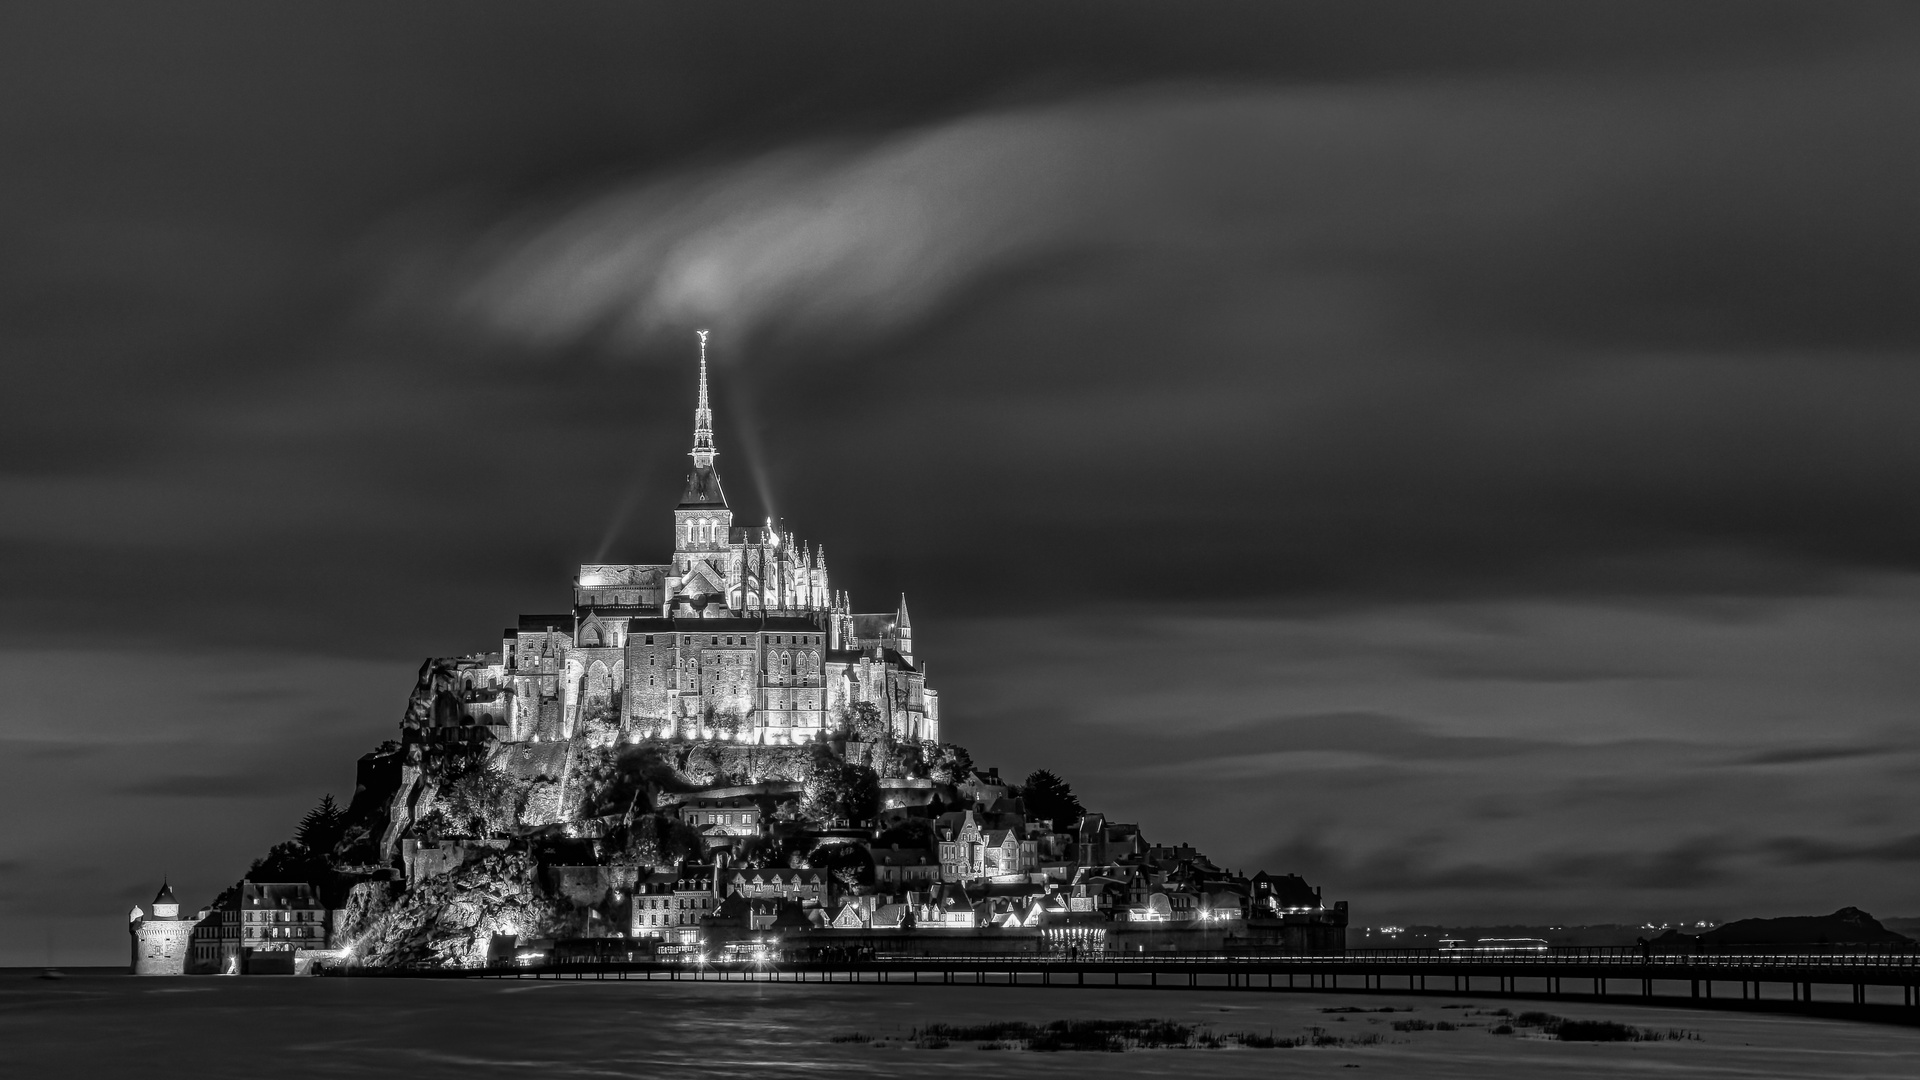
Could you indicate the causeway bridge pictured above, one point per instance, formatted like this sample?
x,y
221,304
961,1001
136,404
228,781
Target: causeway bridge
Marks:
x,y
1881,987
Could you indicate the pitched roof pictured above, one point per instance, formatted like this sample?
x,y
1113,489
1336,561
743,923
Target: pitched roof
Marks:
x,y
703,490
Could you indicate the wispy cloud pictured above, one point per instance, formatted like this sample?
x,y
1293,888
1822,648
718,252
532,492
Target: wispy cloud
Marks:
x,y
1807,851
249,785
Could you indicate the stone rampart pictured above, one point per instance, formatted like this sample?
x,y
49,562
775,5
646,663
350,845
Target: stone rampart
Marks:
x,y
161,946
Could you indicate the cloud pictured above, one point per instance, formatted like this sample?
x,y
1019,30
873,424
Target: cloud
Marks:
x,y
1807,755
1397,199
1266,744
50,749
1806,851
1409,870
251,785
1455,439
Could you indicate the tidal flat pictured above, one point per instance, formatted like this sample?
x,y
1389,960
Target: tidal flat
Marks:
x,y
96,1023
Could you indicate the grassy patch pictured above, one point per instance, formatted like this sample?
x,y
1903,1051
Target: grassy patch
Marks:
x,y
1565,1030
1423,1025
1106,1036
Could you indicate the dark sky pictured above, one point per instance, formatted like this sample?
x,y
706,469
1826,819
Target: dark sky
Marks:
x,y
1462,453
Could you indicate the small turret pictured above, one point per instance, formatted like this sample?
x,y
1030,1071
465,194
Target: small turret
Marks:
x,y
162,940
903,631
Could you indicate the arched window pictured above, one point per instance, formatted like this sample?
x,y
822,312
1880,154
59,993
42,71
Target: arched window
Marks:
x,y
590,636
599,684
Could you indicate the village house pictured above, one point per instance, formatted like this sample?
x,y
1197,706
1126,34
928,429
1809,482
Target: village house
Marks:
x,y
807,886
972,849
665,903
897,869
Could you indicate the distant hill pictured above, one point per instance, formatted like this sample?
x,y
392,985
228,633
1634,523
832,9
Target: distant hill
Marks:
x,y
1905,924
1848,926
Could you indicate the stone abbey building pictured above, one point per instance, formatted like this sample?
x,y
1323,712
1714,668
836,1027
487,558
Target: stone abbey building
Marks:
x,y
739,637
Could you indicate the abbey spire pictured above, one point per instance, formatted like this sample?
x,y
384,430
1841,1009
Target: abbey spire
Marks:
x,y
703,484
703,452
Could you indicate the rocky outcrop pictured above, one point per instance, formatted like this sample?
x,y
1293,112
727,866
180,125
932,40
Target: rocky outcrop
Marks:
x,y
399,814
367,903
449,921
437,677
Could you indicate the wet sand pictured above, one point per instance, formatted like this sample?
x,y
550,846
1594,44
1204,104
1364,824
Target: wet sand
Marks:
x,y
109,1024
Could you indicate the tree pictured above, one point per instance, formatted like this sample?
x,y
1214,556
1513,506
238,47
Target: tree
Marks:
x,y
949,763
866,723
481,803
862,797
320,830
911,833
289,860
849,864
433,824
1051,799
658,841
835,789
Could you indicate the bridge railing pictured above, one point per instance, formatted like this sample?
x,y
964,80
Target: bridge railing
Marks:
x,y
1624,958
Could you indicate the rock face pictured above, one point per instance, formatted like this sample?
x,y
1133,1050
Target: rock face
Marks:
x,y
437,687
454,838
450,920
367,902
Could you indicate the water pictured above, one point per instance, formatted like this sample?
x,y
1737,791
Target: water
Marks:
x,y
111,1025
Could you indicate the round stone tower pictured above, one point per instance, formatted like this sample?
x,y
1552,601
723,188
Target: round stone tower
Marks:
x,y
160,940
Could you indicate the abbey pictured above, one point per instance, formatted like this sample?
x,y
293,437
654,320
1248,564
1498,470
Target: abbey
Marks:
x,y
739,637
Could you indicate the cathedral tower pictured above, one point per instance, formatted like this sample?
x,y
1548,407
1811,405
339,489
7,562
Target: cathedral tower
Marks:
x,y
702,523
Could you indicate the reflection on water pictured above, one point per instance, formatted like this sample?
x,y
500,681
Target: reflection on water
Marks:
x,y
100,1024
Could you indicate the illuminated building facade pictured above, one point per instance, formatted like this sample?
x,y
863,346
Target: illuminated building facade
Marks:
x,y
162,941
738,637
